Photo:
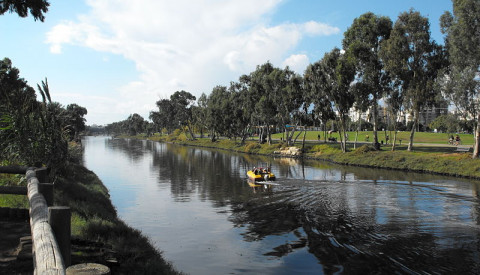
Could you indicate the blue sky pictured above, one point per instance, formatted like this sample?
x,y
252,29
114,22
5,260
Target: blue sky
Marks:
x,y
118,57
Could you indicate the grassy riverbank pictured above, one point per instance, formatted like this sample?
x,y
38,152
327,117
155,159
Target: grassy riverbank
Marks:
x,y
429,158
95,224
95,218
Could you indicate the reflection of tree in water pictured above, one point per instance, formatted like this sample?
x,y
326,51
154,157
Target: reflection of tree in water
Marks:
x,y
338,222
134,149
207,173
345,235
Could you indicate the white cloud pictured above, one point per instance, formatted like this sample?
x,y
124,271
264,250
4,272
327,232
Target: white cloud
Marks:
x,y
183,44
297,62
317,28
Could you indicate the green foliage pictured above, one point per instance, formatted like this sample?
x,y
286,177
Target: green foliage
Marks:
x,y
462,83
31,132
37,8
446,124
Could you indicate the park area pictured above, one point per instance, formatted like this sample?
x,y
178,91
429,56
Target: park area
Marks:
x,y
423,141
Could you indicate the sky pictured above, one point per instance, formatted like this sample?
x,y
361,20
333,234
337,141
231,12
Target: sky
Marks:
x,y
119,57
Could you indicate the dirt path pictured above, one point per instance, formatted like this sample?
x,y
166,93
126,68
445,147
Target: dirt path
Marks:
x,y
13,259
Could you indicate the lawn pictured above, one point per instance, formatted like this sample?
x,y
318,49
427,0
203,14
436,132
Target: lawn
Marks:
x,y
402,137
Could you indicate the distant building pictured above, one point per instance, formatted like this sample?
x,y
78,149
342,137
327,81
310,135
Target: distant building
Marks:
x,y
429,113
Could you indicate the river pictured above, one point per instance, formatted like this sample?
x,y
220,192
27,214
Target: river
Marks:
x,y
197,207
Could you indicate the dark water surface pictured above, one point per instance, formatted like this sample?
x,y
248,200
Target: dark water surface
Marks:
x,y
197,207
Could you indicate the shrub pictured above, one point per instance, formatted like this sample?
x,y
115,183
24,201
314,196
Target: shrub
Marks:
x,y
364,149
251,147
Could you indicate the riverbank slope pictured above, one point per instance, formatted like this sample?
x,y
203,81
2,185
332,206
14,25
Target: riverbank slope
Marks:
x,y
98,235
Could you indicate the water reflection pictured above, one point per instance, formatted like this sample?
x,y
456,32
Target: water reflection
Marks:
x,y
196,204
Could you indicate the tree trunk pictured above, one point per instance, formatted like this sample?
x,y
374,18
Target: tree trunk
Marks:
x,y
325,132
303,141
412,133
376,145
269,136
260,135
394,138
342,133
191,132
295,140
358,128
245,134
476,146
213,138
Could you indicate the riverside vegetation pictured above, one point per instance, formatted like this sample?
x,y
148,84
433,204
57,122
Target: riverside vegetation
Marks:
x,y
95,222
430,157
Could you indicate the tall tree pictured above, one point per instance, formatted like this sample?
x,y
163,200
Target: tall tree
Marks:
x,y
394,101
218,102
135,124
363,39
241,123
182,103
336,76
314,90
164,117
414,59
262,99
462,40
75,121
199,113
288,96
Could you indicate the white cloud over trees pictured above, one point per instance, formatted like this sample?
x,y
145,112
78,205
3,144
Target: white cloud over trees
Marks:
x,y
189,45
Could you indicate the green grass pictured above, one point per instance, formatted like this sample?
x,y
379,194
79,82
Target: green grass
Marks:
x,y
419,137
12,201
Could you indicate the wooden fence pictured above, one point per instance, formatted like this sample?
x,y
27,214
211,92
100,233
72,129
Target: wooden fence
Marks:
x,y
50,225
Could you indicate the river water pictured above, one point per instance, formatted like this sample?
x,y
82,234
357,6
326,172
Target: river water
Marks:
x,y
197,207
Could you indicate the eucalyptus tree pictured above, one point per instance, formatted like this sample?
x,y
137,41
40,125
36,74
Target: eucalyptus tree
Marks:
x,y
241,117
361,105
395,107
287,93
217,109
335,79
322,107
261,98
199,114
164,117
462,84
135,124
182,103
414,59
363,39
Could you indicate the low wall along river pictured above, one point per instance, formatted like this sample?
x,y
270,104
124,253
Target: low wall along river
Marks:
x,y
197,207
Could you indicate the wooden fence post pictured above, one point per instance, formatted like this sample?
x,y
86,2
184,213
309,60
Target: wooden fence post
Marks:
x,y
59,219
46,189
42,174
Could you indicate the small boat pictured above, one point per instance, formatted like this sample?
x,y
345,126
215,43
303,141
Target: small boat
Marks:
x,y
260,174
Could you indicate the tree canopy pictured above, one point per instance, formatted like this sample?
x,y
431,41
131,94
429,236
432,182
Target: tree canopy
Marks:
x,y
37,8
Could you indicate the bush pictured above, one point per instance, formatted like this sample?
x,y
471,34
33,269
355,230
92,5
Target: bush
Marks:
x,y
251,147
364,149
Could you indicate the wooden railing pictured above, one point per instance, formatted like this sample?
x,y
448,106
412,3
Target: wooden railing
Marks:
x,y
50,225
